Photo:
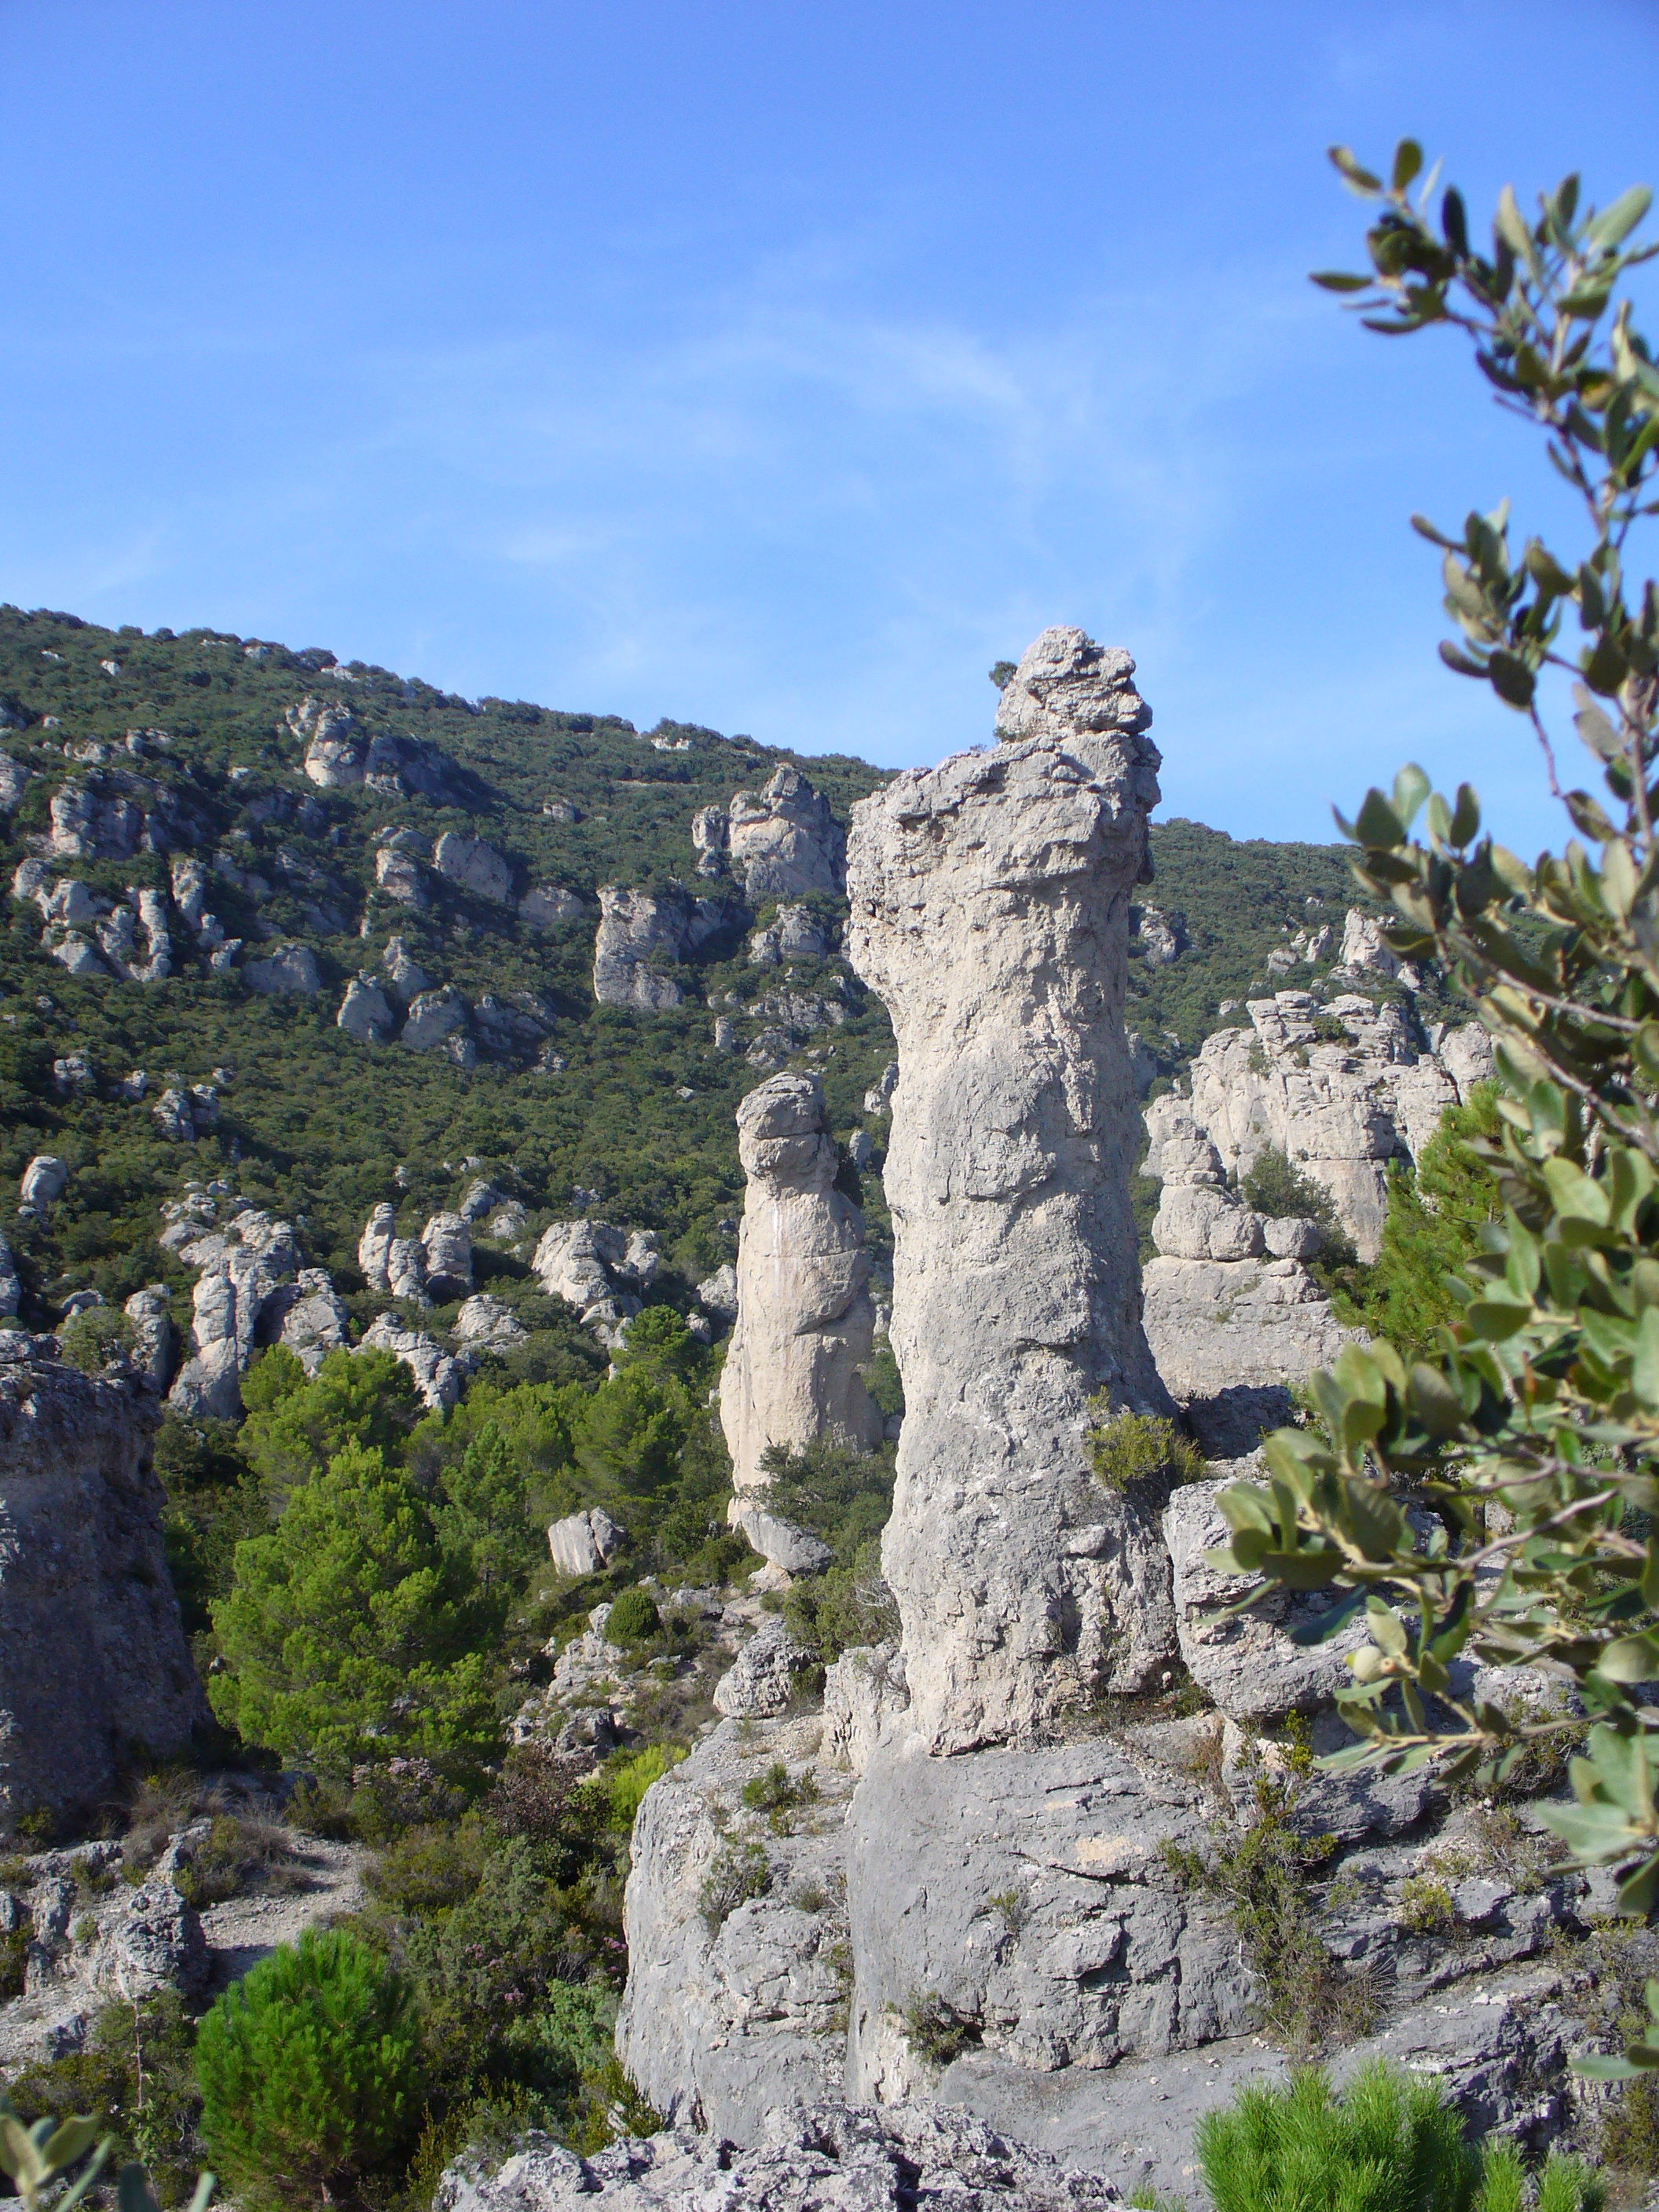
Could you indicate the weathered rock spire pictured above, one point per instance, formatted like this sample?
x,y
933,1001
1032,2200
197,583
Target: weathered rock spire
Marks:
x,y
794,1370
990,910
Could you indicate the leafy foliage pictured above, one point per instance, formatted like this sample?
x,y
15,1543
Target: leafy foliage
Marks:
x,y
1437,1209
1531,1424
308,2070
1130,1448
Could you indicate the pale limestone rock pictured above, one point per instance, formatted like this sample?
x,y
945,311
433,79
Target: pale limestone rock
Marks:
x,y
1466,1053
867,1704
436,1018
1231,1336
405,978
90,822
43,1181
14,782
805,1325
365,1011
154,1337
1198,1221
1161,939
29,879
1338,1108
317,1322
69,901
596,1268
439,1377
374,1247
549,905
794,933
398,873
1366,951
710,826
474,865
487,1324
638,931
582,1543
335,746
784,841
246,1260
190,890
286,971
74,952
94,1665
990,911
1247,1664
446,1241
823,2159
718,1293
11,1284
779,1542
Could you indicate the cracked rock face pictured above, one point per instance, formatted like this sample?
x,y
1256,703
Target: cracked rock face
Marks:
x,y
638,931
92,1656
990,911
780,841
246,1262
805,1323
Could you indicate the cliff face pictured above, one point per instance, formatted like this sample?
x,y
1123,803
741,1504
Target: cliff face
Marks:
x,y
990,911
93,1666
805,1321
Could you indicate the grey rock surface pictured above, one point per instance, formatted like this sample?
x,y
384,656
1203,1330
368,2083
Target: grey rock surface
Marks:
x,y
439,1377
597,1269
547,905
474,864
735,2004
155,1340
315,1322
11,1283
582,1543
92,1656
289,970
365,1011
446,1241
761,1684
435,1019
804,1327
794,933
783,840
487,1324
641,934
1231,1337
990,903
827,2158
246,1260
42,1182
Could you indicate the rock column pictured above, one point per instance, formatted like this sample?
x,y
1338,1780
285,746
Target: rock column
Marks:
x,y
805,1325
990,910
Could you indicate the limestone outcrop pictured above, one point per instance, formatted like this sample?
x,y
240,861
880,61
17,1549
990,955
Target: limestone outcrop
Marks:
x,y
439,1375
779,843
474,864
1341,1086
990,911
248,1261
641,934
93,1657
824,2159
597,1270
804,1327
1233,1315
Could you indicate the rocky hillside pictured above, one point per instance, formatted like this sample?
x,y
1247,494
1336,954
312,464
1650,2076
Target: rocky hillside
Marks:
x,y
329,936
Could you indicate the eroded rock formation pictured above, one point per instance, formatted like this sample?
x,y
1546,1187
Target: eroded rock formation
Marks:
x,y
641,935
990,911
805,1326
92,1659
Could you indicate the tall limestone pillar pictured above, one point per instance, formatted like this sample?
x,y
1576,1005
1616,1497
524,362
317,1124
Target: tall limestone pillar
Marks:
x,y
990,910
806,1320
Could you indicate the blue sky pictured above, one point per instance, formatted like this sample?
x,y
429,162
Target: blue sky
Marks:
x,y
781,367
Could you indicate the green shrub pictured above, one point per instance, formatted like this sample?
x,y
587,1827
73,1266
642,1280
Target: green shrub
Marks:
x,y
935,2030
739,1872
1388,2143
1130,1448
308,2070
91,1339
632,1618
623,1782
134,2070
778,1793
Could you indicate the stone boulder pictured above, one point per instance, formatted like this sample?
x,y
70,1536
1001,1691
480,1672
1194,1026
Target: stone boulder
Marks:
x,y
315,1322
762,1683
794,933
990,912
584,1542
405,978
11,1284
365,1011
289,970
823,2159
708,830
783,840
597,1269
93,1664
805,1324
156,1943
548,906
1231,1337
473,865
247,1261
447,1240
42,1182
643,932
155,1340
14,782
335,744
399,873
439,1019
487,1324
94,821
439,1377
